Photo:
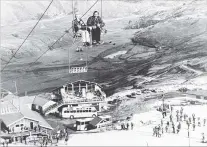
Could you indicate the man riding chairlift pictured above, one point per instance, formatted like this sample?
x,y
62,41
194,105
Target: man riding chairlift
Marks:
x,y
97,25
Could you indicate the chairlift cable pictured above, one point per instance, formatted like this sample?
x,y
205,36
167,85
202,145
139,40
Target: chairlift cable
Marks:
x,y
27,36
54,42
101,9
64,34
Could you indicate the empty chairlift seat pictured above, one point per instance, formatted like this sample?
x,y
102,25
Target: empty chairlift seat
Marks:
x,y
78,69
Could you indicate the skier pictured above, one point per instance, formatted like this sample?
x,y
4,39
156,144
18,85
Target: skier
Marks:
x,y
204,122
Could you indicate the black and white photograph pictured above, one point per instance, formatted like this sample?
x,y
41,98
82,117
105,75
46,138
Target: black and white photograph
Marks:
x,y
103,73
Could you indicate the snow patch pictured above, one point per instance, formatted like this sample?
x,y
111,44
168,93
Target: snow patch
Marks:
x,y
111,56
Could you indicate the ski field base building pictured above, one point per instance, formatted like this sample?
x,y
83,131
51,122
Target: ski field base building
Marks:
x,y
77,94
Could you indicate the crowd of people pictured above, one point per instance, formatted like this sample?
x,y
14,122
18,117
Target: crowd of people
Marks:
x,y
175,121
127,125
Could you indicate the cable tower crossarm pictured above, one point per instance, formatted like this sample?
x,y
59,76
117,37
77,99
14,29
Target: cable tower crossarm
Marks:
x,y
27,36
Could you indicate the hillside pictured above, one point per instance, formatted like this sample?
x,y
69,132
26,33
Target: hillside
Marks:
x,y
13,11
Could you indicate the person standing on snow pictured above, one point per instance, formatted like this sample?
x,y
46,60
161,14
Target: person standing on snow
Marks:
x,y
178,128
170,117
193,116
185,117
132,125
193,126
161,122
189,120
127,126
177,116
166,128
203,138
204,122
173,127
181,111
199,123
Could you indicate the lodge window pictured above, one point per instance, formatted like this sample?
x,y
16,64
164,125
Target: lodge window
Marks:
x,y
82,123
89,110
86,110
205,98
17,125
22,125
78,111
81,111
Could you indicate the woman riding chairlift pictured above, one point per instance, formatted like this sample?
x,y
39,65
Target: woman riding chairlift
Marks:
x,y
80,28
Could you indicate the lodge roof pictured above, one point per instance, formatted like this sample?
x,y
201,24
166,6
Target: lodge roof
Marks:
x,y
95,121
11,113
10,118
40,101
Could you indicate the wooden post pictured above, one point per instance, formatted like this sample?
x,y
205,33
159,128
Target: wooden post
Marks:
x,y
79,87
86,87
163,102
15,84
72,87
0,130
